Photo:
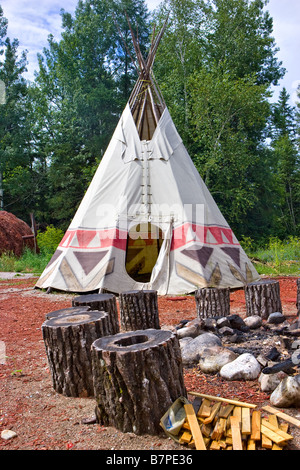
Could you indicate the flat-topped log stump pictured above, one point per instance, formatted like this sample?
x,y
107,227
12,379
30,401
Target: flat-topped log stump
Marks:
x,y
101,302
68,340
263,298
137,376
212,302
139,310
67,311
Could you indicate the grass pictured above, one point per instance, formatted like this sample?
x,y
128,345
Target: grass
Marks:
x,y
28,263
276,258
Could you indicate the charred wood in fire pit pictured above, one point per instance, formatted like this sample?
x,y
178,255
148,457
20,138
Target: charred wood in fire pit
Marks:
x,y
287,366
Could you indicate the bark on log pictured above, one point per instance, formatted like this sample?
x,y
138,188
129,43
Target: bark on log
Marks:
x,y
67,311
298,297
137,376
101,302
212,302
68,340
139,310
263,298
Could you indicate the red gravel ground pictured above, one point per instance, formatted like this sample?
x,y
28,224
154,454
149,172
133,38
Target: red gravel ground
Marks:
x,y
44,420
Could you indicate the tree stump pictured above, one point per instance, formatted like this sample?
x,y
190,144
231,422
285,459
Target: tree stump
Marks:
x,y
137,376
68,340
102,302
67,311
212,302
139,310
298,297
263,298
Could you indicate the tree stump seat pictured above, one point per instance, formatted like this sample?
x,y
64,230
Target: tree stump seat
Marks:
x,y
137,376
68,340
263,298
139,310
212,302
67,311
102,302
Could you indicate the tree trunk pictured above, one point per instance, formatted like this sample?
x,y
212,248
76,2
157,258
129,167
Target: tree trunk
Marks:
x,y
212,302
263,298
67,311
137,376
139,310
102,302
298,297
68,340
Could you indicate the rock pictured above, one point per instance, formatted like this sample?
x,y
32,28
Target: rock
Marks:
x,y
268,383
214,358
262,360
223,321
237,323
253,322
209,324
287,393
184,341
235,338
245,367
190,330
191,350
8,434
226,331
276,318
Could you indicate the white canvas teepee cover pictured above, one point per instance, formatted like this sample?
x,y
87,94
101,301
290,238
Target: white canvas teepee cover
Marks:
x,y
147,182
199,248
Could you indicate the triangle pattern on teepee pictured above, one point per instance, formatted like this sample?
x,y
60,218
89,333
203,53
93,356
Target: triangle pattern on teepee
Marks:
x,y
89,260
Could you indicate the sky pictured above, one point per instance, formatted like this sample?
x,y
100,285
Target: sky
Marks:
x,y
31,21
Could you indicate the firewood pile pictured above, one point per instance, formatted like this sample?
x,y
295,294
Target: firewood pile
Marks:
x,y
214,423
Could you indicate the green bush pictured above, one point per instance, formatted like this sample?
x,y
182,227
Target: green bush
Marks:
x,y
49,240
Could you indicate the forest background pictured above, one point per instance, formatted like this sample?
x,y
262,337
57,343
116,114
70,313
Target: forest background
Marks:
x,y
216,66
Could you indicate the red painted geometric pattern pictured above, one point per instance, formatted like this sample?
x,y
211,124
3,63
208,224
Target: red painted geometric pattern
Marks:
x,y
186,233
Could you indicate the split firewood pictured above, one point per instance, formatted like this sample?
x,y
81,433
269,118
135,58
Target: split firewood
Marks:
x,y
195,428
236,433
205,409
246,421
255,425
214,411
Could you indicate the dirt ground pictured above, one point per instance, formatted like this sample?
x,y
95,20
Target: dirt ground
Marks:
x,y
45,420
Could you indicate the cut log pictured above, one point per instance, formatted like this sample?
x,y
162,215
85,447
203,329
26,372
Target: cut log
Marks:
x,y
139,310
263,298
68,340
137,376
212,302
67,311
101,302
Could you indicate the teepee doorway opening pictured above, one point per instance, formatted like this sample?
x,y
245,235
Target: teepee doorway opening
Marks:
x,y
144,242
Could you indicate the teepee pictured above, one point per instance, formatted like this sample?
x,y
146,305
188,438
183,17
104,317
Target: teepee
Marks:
x,y
147,220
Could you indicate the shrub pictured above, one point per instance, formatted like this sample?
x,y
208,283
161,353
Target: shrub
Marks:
x,y
49,240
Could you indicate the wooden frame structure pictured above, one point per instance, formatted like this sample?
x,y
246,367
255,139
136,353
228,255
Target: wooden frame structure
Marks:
x,y
146,101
